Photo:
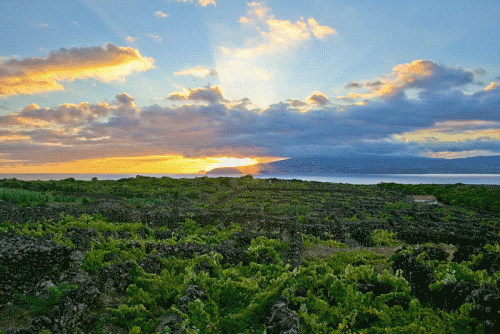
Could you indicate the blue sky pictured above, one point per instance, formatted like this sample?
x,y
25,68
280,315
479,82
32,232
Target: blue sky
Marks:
x,y
205,79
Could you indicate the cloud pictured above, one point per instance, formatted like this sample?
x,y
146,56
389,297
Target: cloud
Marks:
x,y
479,71
294,103
319,31
353,84
203,3
275,34
126,100
315,101
210,94
419,74
155,38
198,72
13,138
35,75
455,138
492,86
317,98
65,114
440,121
130,39
161,14
32,106
459,154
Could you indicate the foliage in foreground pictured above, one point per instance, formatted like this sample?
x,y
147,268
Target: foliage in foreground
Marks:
x,y
459,194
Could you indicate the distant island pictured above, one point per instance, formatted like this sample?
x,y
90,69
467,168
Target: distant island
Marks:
x,y
368,165
224,171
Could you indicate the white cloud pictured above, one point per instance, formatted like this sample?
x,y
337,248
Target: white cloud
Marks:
x,y
155,38
131,39
203,3
198,72
161,14
275,34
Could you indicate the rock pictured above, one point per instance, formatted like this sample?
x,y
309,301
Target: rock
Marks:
x,y
25,261
418,275
486,301
82,238
192,293
18,331
151,264
117,276
170,321
490,262
204,266
282,319
117,234
433,253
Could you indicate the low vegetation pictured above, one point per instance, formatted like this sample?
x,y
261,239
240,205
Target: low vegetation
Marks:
x,y
238,255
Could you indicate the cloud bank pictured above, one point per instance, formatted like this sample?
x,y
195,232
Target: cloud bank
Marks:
x,y
36,75
420,74
443,122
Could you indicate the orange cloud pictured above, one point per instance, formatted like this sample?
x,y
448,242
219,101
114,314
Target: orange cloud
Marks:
x,y
423,74
492,86
35,75
32,106
14,138
317,98
320,31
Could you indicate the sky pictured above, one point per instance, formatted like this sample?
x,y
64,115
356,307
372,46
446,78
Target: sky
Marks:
x,y
182,86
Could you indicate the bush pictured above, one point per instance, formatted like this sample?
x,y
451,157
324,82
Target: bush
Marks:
x,y
385,238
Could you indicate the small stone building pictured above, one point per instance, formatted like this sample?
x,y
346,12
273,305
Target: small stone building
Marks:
x,y
421,199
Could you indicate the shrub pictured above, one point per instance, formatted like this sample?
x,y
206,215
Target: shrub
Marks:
x,y
385,238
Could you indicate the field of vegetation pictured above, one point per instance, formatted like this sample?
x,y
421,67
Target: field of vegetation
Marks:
x,y
241,255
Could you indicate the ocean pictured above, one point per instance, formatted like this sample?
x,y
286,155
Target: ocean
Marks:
x,y
333,178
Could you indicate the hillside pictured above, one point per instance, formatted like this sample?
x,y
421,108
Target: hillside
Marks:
x,y
381,165
241,255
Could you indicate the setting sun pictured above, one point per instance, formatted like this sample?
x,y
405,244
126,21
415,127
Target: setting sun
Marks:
x,y
233,162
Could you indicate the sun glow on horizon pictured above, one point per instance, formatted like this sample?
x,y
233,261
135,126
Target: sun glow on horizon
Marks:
x,y
234,162
152,164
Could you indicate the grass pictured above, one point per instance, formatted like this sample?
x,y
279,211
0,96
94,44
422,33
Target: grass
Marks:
x,y
26,198
38,305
